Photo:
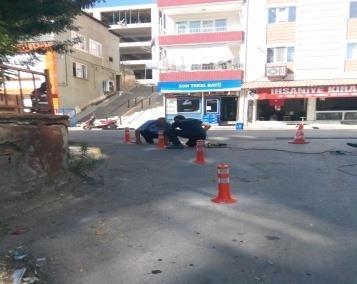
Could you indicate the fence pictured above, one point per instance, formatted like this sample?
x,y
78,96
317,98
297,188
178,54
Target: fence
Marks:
x,y
23,90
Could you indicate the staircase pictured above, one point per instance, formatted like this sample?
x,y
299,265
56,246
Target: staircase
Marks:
x,y
137,118
119,104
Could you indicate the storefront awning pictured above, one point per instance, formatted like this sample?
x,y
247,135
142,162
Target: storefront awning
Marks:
x,y
199,86
338,88
298,83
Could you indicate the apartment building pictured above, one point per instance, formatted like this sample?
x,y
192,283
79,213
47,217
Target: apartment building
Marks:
x,y
301,61
137,26
201,55
88,72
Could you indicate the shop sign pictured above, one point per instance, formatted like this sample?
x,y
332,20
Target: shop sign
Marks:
x,y
308,92
199,86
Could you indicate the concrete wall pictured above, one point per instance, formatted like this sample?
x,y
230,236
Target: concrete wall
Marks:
x,y
32,147
320,36
281,33
76,91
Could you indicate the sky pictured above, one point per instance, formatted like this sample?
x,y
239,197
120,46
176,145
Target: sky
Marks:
x,y
109,3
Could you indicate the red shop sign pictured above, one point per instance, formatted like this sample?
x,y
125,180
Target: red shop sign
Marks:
x,y
307,92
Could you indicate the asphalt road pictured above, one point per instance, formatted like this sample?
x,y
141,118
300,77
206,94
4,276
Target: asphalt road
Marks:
x,y
150,218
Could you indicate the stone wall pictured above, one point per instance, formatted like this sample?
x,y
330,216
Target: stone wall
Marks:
x,y
33,148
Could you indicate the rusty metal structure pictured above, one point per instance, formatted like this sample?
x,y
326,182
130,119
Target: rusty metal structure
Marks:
x,y
24,91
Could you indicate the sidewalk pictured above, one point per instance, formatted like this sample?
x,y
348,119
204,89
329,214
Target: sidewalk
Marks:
x,y
271,125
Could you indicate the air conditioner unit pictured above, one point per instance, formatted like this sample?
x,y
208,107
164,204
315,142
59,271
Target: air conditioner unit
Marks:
x,y
108,86
276,71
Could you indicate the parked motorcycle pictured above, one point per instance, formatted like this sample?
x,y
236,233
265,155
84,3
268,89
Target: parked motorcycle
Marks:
x,y
102,123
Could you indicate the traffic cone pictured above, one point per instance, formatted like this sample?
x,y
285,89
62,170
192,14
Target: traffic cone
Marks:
x,y
224,187
127,135
161,140
200,154
299,136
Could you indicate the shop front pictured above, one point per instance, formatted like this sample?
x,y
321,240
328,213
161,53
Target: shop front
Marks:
x,y
312,103
213,102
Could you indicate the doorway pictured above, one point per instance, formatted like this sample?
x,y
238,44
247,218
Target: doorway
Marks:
x,y
229,108
117,82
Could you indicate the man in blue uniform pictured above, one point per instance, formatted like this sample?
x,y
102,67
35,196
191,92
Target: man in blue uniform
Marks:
x,y
150,130
190,128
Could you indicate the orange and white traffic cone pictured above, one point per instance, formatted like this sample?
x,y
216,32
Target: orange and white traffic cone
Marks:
x,y
224,187
161,140
200,154
299,136
127,135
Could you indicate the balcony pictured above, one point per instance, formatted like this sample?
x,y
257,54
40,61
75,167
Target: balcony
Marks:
x,y
203,36
202,72
137,62
136,44
175,3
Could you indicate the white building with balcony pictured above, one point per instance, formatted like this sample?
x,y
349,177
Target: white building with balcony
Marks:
x,y
137,26
201,55
301,61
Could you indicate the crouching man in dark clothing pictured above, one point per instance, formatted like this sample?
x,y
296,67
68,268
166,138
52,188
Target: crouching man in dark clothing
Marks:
x,y
150,130
190,128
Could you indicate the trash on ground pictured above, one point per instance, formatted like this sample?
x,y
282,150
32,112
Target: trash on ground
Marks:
x,y
19,254
18,275
30,280
272,238
19,230
99,232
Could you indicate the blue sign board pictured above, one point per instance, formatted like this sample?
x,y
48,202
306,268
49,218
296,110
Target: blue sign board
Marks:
x,y
199,86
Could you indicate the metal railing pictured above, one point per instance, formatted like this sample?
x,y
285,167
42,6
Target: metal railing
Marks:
x,y
198,30
130,105
223,65
18,85
336,115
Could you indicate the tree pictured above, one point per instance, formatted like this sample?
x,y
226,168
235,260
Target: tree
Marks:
x,y
21,20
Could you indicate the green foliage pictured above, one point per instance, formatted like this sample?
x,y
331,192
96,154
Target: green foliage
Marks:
x,y
83,162
25,19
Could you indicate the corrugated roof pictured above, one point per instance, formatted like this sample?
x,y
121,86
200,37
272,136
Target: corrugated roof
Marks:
x,y
299,83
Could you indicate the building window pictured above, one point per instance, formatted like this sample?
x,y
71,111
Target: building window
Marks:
x,y
195,27
79,41
353,9
95,48
188,105
207,26
220,25
80,70
181,27
211,106
280,54
281,15
352,51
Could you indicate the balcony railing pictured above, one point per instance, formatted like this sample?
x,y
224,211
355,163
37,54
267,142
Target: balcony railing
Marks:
x,y
223,65
175,3
201,30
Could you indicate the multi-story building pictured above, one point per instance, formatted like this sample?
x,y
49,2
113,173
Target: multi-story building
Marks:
x,y
301,61
137,26
88,72
201,55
